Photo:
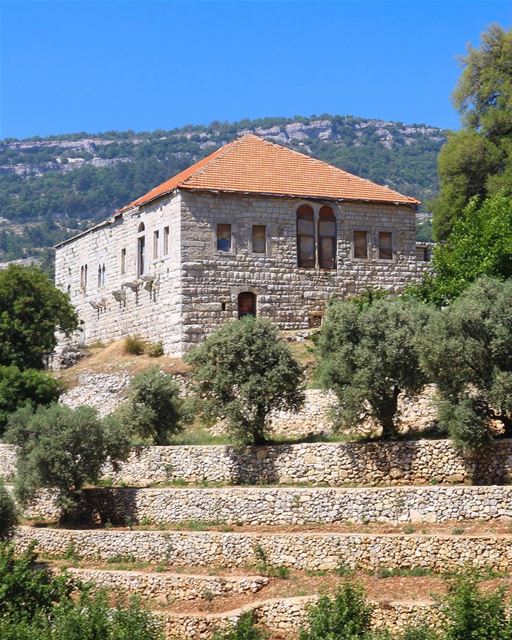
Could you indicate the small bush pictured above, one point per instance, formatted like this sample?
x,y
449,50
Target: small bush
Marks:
x,y
419,633
154,409
36,605
243,629
21,387
134,346
155,349
8,513
474,615
345,616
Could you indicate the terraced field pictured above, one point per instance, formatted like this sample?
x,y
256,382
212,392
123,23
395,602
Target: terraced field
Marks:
x,y
201,555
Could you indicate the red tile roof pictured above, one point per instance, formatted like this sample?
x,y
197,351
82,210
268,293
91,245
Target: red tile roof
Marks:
x,y
253,165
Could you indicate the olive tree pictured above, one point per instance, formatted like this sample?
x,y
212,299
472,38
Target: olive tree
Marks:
x,y
466,348
368,355
244,371
154,410
62,448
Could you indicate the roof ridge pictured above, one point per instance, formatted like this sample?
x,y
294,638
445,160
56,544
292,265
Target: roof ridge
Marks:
x,y
218,154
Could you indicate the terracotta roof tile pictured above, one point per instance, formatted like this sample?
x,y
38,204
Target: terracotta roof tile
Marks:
x,y
253,165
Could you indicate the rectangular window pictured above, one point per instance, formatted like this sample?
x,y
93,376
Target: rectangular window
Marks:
x,y
123,260
385,245
361,245
223,237
156,244
259,240
166,241
141,255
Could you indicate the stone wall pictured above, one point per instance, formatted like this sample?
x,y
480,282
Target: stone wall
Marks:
x,y
284,505
291,296
164,585
329,463
315,551
148,309
7,462
195,288
287,615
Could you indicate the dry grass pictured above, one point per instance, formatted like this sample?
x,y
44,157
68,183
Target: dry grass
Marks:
x,y
112,359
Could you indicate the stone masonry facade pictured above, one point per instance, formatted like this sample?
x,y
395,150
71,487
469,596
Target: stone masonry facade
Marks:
x,y
187,288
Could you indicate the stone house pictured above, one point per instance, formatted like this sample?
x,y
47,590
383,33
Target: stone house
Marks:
x,y
254,228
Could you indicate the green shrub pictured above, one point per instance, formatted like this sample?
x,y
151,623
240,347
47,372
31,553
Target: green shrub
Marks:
x,y
243,371
32,309
20,387
368,355
419,633
8,513
474,615
155,349
36,605
154,410
134,346
62,448
243,629
344,616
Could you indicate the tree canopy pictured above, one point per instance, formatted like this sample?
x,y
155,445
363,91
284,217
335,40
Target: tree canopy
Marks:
x,y
466,349
32,309
243,371
480,244
477,160
368,356
62,448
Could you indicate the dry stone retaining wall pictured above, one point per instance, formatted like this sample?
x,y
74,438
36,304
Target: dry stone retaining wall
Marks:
x,y
286,505
164,586
316,551
288,615
332,464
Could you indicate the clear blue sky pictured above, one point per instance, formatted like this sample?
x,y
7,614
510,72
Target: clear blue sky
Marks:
x,y
94,66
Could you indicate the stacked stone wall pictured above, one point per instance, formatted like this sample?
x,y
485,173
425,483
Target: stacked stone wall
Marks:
x,y
314,551
289,295
287,615
163,586
329,463
150,310
284,505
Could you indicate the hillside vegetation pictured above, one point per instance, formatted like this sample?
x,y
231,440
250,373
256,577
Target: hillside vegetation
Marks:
x,y
53,187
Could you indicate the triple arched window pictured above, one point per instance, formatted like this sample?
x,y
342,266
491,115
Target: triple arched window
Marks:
x,y
316,246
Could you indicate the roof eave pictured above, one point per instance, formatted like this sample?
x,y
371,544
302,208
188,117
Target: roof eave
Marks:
x,y
412,203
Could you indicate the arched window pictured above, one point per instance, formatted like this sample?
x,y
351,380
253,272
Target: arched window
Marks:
x,y
327,238
103,275
141,228
99,276
305,236
246,304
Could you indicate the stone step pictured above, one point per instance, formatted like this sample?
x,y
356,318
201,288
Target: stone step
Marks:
x,y
291,505
312,551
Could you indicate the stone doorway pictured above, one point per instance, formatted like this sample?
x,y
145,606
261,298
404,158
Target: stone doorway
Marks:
x,y
246,304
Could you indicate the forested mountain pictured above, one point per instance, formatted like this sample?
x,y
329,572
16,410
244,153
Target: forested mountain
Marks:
x,y
50,188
